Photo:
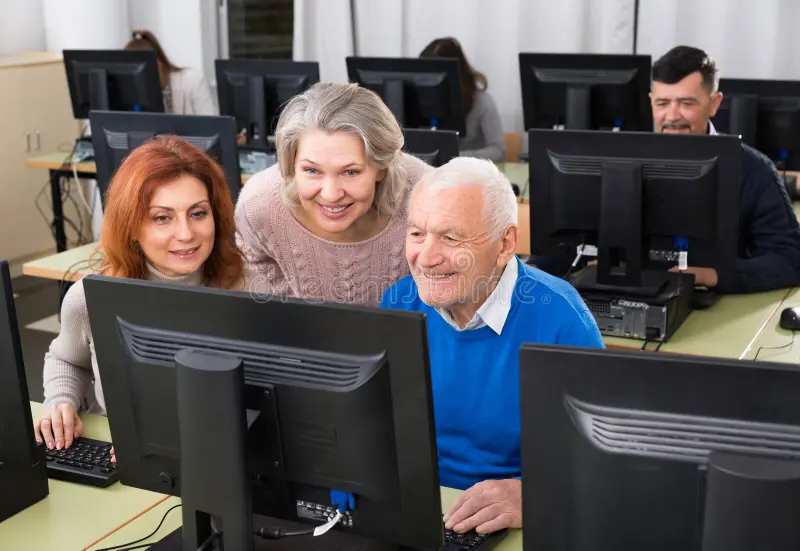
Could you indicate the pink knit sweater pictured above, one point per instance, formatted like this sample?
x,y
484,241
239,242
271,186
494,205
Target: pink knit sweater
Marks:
x,y
286,259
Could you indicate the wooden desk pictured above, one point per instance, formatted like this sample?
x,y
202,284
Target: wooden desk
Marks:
x,y
773,343
728,329
56,266
75,516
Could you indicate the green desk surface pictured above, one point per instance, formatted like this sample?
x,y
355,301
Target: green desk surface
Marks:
x,y
74,516
775,344
728,329
148,522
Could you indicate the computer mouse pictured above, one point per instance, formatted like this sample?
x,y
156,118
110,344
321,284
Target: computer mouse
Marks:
x,y
790,319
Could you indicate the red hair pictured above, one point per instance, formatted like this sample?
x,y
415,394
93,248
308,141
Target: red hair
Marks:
x,y
161,160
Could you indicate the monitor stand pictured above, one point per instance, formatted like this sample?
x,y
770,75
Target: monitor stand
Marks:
x,y
653,283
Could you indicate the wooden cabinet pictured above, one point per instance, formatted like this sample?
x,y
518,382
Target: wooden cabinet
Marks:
x,y
35,119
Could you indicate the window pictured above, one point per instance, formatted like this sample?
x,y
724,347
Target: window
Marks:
x,y
260,29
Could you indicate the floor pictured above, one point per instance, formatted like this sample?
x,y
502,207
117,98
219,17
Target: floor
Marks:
x,y
37,302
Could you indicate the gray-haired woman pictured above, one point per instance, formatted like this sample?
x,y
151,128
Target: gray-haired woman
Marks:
x,y
328,221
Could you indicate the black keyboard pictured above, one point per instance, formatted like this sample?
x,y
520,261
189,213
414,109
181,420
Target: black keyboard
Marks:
x,y
472,540
86,461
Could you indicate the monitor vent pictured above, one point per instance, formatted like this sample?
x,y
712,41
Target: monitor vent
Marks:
x,y
651,168
584,76
132,139
264,365
680,437
599,307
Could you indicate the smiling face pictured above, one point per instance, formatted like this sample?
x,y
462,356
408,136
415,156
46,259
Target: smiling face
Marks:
x,y
683,107
177,236
450,251
336,186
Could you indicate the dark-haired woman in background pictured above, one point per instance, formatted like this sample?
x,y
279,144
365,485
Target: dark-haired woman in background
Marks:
x,y
485,137
185,90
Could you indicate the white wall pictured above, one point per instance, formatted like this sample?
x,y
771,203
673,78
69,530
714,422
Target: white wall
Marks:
x,y
747,39
21,26
491,33
67,24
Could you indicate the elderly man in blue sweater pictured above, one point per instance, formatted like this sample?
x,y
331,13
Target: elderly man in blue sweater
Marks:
x,y
482,304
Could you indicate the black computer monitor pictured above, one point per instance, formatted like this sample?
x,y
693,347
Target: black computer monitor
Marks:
x,y
435,147
766,114
422,93
23,467
113,80
634,194
586,91
254,91
115,135
639,450
342,394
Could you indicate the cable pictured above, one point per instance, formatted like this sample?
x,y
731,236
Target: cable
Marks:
x,y
62,284
126,546
575,262
789,346
659,346
273,533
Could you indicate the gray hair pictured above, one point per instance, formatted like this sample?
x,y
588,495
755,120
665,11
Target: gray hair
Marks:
x,y
500,204
345,108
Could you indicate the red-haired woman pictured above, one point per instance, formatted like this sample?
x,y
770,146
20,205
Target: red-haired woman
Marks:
x,y
168,217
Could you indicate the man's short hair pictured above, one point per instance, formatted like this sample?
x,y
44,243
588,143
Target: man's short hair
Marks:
x,y
682,61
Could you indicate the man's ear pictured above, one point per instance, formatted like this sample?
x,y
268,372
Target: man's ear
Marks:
x,y
509,239
716,100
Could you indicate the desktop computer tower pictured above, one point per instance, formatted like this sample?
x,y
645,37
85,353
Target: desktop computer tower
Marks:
x,y
647,318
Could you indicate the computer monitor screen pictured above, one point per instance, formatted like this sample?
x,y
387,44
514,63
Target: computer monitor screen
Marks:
x,y
766,114
113,80
638,450
23,474
254,91
435,147
422,93
349,404
586,91
115,135
635,195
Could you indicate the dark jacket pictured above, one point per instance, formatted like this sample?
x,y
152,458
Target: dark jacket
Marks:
x,y
769,234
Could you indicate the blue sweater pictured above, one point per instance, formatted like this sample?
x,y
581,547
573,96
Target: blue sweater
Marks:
x,y
475,374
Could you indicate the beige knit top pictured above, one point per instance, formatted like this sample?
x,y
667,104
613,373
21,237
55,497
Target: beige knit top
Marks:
x,y
286,259
70,365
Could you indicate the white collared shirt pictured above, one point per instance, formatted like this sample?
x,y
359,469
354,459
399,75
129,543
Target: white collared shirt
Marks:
x,y
494,311
711,130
